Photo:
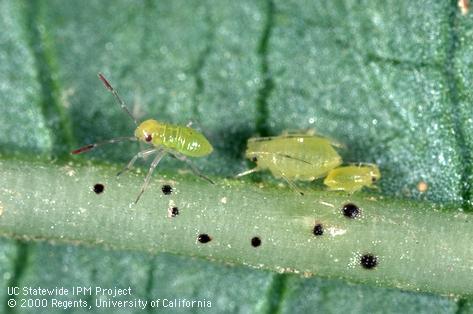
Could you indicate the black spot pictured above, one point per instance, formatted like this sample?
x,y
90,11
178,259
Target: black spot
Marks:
x,y
318,230
351,211
373,179
368,261
204,238
167,189
174,211
256,241
254,159
148,138
99,188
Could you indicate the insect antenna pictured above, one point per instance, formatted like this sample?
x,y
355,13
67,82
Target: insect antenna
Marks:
x,y
90,147
118,99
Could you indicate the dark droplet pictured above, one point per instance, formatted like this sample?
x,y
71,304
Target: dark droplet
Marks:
x,y
174,211
256,241
204,238
368,261
318,230
167,189
351,211
99,188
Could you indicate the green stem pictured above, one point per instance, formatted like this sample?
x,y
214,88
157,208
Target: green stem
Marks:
x,y
418,245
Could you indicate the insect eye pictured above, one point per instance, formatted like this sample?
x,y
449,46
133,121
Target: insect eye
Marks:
x,y
148,137
254,159
373,179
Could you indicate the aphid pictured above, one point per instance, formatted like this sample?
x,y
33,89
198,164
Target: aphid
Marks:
x,y
293,157
178,141
352,178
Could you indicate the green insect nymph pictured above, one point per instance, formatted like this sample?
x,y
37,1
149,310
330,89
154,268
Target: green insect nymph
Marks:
x,y
178,141
352,178
293,157
184,140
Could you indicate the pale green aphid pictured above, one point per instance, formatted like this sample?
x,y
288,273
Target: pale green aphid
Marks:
x,y
352,178
163,138
293,157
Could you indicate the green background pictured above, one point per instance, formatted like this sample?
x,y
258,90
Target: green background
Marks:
x,y
390,80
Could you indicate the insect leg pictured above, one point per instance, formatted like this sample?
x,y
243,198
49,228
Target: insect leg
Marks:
x,y
153,166
89,147
141,154
244,173
191,165
291,184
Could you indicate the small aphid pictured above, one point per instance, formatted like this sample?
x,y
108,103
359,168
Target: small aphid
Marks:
x,y
178,141
293,157
352,178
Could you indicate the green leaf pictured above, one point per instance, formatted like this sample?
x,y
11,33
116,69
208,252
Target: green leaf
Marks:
x,y
388,79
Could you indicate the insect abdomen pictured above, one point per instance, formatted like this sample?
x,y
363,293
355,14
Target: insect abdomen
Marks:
x,y
305,158
186,141
293,168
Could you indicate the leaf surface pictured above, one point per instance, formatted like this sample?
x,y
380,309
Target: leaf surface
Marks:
x,y
390,80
